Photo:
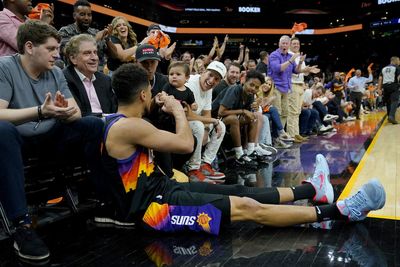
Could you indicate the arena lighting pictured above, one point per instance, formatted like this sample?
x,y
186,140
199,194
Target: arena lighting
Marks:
x,y
249,9
201,9
242,31
385,22
383,2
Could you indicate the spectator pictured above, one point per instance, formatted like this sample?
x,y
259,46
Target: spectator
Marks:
x,y
251,64
310,101
90,88
262,65
198,66
265,98
235,110
12,16
281,66
164,52
125,42
295,95
231,78
227,62
186,57
83,19
149,57
207,130
178,74
45,118
357,89
338,87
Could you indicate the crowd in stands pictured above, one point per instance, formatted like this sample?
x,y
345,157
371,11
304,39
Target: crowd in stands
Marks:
x,y
252,107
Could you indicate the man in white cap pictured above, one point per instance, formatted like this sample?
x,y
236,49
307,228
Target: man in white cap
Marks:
x,y
207,130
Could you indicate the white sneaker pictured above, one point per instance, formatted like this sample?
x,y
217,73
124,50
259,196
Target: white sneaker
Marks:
x,y
328,135
262,152
271,149
330,117
285,137
324,128
278,143
349,118
321,181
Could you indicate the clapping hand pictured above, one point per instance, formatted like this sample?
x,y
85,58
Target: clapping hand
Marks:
x,y
57,108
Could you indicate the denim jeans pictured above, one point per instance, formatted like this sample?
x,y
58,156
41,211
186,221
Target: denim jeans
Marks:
x,y
265,132
276,121
335,109
322,111
84,134
308,120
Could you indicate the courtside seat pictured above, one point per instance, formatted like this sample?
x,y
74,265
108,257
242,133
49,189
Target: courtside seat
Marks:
x,y
48,179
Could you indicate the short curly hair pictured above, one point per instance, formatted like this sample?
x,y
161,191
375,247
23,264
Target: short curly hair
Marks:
x,y
128,81
72,47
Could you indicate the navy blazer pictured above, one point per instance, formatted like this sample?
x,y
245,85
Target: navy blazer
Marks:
x,y
102,85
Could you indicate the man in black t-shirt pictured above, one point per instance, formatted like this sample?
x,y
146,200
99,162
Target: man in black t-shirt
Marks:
x,y
236,109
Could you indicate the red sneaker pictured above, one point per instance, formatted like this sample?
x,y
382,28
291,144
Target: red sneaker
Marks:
x,y
196,176
210,173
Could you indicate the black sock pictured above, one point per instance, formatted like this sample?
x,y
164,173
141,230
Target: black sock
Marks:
x,y
329,212
304,191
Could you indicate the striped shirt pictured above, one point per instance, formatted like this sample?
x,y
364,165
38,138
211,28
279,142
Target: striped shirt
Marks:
x,y
390,74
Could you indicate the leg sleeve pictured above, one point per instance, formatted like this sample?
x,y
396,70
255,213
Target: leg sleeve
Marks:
x,y
268,195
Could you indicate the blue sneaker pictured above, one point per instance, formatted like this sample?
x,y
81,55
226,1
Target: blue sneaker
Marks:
x,y
371,196
361,248
321,181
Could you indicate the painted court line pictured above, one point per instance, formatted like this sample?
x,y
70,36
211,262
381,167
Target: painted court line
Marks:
x,y
350,184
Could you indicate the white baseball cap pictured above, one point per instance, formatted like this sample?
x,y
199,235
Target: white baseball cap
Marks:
x,y
218,67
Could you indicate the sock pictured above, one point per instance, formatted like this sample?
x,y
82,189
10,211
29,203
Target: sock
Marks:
x,y
250,148
329,212
238,151
304,191
22,220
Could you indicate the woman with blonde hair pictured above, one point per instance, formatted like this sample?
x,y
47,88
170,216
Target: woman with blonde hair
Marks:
x,y
125,41
265,96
